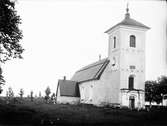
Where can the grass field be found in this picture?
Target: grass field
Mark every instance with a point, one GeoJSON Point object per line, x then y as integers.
{"type": "Point", "coordinates": [55, 114]}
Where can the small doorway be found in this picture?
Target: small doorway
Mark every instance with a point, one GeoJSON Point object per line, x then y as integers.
{"type": "Point", "coordinates": [131, 102]}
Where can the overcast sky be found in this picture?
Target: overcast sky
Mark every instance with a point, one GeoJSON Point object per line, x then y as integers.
{"type": "Point", "coordinates": [60, 37]}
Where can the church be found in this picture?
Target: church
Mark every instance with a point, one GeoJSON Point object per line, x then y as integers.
{"type": "Point", "coordinates": [119, 79]}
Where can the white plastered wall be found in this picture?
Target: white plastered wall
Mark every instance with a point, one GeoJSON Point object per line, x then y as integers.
{"type": "Point", "coordinates": [103, 91]}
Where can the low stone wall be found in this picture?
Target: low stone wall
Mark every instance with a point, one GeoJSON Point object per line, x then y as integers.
{"type": "Point", "coordinates": [68, 100]}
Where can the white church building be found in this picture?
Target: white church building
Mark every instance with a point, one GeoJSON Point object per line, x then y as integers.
{"type": "Point", "coordinates": [118, 79]}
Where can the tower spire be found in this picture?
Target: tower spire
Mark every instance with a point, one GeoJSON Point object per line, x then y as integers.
{"type": "Point", "coordinates": [127, 15]}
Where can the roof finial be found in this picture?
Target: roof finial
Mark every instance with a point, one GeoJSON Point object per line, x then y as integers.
{"type": "Point", "coordinates": [127, 15]}
{"type": "Point", "coordinates": [127, 9]}
{"type": "Point", "coordinates": [99, 57]}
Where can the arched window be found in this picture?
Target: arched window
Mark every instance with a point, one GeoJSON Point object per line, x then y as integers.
{"type": "Point", "coordinates": [114, 42]}
{"type": "Point", "coordinates": [131, 82]}
{"type": "Point", "coordinates": [132, 41]}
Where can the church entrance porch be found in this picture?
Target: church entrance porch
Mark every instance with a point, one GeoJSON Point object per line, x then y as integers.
{"type": "Point", "coordinates": [133, 99]}
{"type": "Point", "coordinates": [132, 102]}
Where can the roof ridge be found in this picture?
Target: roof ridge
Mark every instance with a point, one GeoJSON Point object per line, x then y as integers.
{"type": "Point", "coordinates": [92, 65]}
{"type": "Point", "coordinates": [99, 71]}
{"type": "Point", "coordinates": [66, 80]}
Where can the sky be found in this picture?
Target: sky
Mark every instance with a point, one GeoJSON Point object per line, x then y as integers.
{"type": "Point", "coordinates": [62, 36]}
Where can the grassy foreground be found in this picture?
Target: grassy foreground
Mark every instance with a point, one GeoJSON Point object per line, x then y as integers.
{"type": "Point", "coordinates": [55, 115]}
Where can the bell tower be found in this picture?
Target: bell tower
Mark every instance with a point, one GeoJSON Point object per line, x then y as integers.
{"type": "Point", "coordinates": [126, 52]}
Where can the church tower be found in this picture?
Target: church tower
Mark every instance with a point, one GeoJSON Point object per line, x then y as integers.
{"type": "Point", "coordinates": [126, 53]}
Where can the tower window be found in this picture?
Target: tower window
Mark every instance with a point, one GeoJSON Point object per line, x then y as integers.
{"type": "Point", "coordinates": [132, 41]}
{"type": "Point", "coordinates": [132, 67]}
{"type": "Point", "coordinates": [114, 42]}
{"type": "Point", "coordinates": [131, 82]}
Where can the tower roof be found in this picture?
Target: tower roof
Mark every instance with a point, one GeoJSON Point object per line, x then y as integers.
{"type": "Point", "coordinates": [129, 22]}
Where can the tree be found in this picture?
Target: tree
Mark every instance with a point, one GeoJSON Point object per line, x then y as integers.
{"type": "Point", "coordinates": [21, 93]}
{"type": "Point", "coordinates": [40, 94]}
{"type": "Point", "coordinates": [163, 84]}
{"type": "Point", "coordinates": [154, 90]}
{"type": "Point", "coordinates": [158, 93]}
{"type": "Point", "coordinates": [162, 80]}
{"type": "Point", "coordinates": [47, 93]}
{"type": "Point", "coordinates": [150, 91]}
{"type": "Point", "coordinates": [10, 93]}
{"type": "Point", "coordinates": [7, 94]}
{"type": "Point", "coordinates": [10, 34]}
{"type": "Point", "coordinates": [2, 81]}
{"type": "Point", "coordinates": [53, 98]}
{"type": "Point", "coordinates": [31, 95]}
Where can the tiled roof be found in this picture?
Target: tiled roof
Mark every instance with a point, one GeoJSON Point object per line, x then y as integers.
{"type": "Point", "coordinates": [68, 88]}
{"type": "Point", "coordinates": [129, 22]}
{"type": "Point", "coordinates": [90, 72]}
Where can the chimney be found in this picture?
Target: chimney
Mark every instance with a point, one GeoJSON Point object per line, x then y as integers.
{"type": "Point", "coordinates": [99, 57]}
{"type": "Point", "coordinates": [64, 78]}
